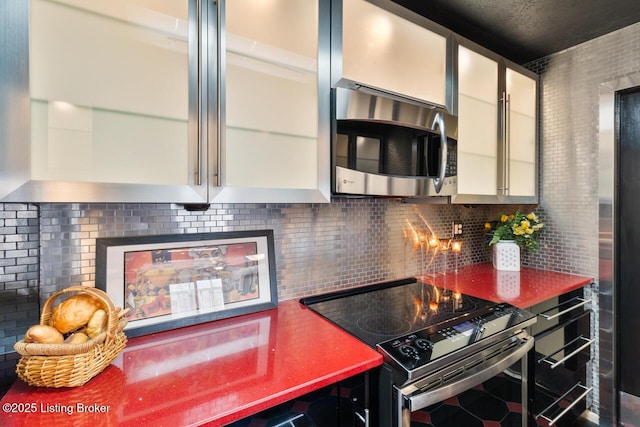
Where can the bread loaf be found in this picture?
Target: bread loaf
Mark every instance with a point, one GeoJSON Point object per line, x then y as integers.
{"type": "Point", "coordinates": [74, 312]}
{"type": "Point", "coordinates": [43, 334]}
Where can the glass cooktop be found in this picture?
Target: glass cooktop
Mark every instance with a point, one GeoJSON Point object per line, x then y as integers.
{"type": "Point", "coordinates": [378, 313]}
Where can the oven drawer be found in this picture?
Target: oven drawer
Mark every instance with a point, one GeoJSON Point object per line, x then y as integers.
{"type": "Point", "coordinates": [459, 376]}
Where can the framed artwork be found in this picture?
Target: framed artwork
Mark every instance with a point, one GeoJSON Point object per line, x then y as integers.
{"type": "Point", "coordinates": [172, 281]}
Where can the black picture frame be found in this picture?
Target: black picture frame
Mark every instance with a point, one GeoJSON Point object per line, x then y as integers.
{"type": "Point", "coordinates": [177, 280]}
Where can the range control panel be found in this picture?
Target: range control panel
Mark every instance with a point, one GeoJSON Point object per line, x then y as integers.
{"type": "Point", "coordinates": [426, 345]}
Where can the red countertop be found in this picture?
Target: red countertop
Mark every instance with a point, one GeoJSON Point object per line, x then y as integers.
{"type": "Point", "coordinates": [208, 374]}
{"type": "Point", "coordinates": [524, 288]}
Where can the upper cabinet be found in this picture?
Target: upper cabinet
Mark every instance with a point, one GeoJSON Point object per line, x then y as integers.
{"type": "Point", "coordinates": [497, 129]}
{"type": "Point", "coordinates": [274, 101]}
{"type": "Point", "coordinates": [478, 106]}
{"type": "Point", "coordinates": [112, 104]}
{"type": "Point", "coordinates": [389, 50]}
{"type": "Point", "coordinates": [521, 119]}
{"type": "Point", "coordinates": [181, 101]}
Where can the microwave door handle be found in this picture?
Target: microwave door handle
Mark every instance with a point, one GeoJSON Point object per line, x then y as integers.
{"type": "Point", "coordinates": [439, 180]}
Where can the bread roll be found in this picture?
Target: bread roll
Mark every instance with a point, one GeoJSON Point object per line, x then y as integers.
{"type": "Point", "coordinates": [74, 312]}
{"type": "Point", "coordinates": [77, 338]}
{"type": "Point", "coordinates": [43, 334]}
{"type": "Point", "coordinates": [97, 323]}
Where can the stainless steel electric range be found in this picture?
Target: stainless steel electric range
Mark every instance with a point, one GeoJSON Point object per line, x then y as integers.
{"type": "Point", "coordinates": [435, 343]}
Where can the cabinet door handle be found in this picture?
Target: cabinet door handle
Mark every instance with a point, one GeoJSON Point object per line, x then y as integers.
{"type": "Point", "coordinates": [551, 317]}
{"type": "Point", "coordinates": [196, 70]}
{"type": "Point", "coordinates": [568, 408]}
{"type": "Point", "coordinates": [363, 418]}
{"type": "Point", "coordinates": [568, 356]}
{"type": "Point", "coordinates": [218, 74]}
{"type": "Point", "coordinates": [502, 184]}
{"type": "Point", "coordinates": [507, 133]}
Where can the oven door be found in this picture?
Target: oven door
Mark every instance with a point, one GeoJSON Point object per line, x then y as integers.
{"type": "Point", "coordinates": [463, 375]}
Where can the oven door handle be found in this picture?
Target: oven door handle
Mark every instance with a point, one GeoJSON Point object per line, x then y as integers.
{"type": "Point", "coordinates": [474, 376]}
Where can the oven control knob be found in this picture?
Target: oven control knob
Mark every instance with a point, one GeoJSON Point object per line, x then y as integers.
{"type": "Point", "coordinates": [409, 351]}
{"type": "Point", "coordinates": [423, 344]}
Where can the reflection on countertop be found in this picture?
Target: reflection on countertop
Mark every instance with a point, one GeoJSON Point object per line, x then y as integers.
{"type": "Point", "coordinates": [209, 374]}
{"type": "Point", "coordinates": [523, 289]}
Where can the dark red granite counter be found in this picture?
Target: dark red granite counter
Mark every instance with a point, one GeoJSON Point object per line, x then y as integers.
{"type": "Point", "coordinates": [524, 288]}
{"type": "Point", "coordinates": [209, 374]}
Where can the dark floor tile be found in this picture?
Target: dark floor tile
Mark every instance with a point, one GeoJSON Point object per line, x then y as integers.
{"type": "Point", "coordinates": [432, 407]}
{"type": "Point", "coordinates": [483, 405]}
{"type": "Point", "coordinates": [512, 420]}
{"type": "Point", "coordinates": [453, 416]}
{"type": "Point", "coordinates": [421, 419]}
{"type": "Point", "coordinates": [504, 388]}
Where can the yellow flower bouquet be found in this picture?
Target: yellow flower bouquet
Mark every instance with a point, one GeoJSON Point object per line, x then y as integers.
{"type": "Point", "coordinates": [521, 228]}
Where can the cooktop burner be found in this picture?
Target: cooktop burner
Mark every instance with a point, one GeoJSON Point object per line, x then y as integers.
{"type": "Point", "coordinates": [386, 325]}
{"type": "Point", "coordinates": [378, 313]}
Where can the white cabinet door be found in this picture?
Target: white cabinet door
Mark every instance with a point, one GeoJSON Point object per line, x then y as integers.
{"type": "Point", "coordinates": [477, 123]}
{"type": "Point", "coordinates": [497, 139]}
{"type": "Point", "coordinates": [387, 52]}
{"type": "Point", "coordinates": [521, 125]}
{"type": "Point", "coordinates": [272, 148]}
{"type": "Point", "coordinates": [112, 93]}
{"type": "Point", "coordinates": [154, 101]}
{"type": "Point", "coordinates": [112, 99]}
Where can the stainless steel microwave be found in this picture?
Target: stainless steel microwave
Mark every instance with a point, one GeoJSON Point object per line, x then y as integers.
{"type": "Point", "coordinates": [386, 146]}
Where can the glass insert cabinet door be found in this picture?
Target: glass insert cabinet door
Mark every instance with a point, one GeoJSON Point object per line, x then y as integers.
{"type": "Point", "coordinates": [269, 136]}
{"type": "Point", "coordinates": [385, 51]}
{"type": "Point", "coordinates": [477, 123]}
{"type": "Point", "coordinates": [184, 101]}
{"type": "Point", "coordinates": [113, 89]}
{"type": "Point", "coordinates": [521, 128]}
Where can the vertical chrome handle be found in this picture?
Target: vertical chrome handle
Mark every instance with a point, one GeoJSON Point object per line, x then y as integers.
{"type": "Point", "coordinates": [197, 120]}
{"type": "Point", "coordinates": [502, 183]}
{"type": "Point", "coordinates": [201, 115]}
{"type": "Point", "coordinates": [219, 76]}
{"type": "Point", "coordinates": [439, 181]}
{"type": "Point", "coordinates": [507, 140]}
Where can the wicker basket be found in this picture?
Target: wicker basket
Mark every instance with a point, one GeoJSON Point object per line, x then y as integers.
{"type": "Point", "coordinates": [71, 365]}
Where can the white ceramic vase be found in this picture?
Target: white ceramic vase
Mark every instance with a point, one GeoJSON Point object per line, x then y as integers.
{"type": "Point", "coordinates": [506, 256]}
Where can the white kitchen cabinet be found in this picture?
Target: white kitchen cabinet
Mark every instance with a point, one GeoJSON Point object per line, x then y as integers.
{"type": "Point", "coordinates": [477, 123]}
{"type": "Point", "coordinates": [274, 112]}
{"type": "Point", "coordinates": [163, 101]}
{"type": "Point", "coordinates": [521, 142]}
{"type": "Point", "coordinates": [112, 103]}
{"type": "Point", "coordinates": [497, 133]}
{"type": "Point", "coordinates": [392, 51]}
